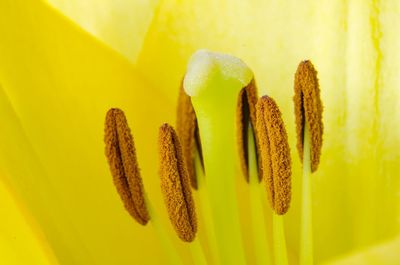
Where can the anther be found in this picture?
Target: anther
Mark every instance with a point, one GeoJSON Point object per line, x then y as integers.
{"type": "Point", "coordinates": [275, 154]}
{"type": "Point", "coordinates": [308, 110]}
{"type": "Point", "coordinates": [175, 185]}
{"type": "Point", "coordinates": [187, 130]}
{"type": "Point", "coordinates": [246, 113]}
{"type": "Point", "coordinates": [121, 156]}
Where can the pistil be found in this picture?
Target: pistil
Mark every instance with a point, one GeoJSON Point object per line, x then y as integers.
{"type": "Point", "coordinates": [206, 208]}
{"type": "Point", "coordinates": [214, 81]}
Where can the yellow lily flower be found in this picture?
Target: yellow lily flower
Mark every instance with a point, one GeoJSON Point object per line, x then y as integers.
{"type": "Point", "coordinates": [64, 64]}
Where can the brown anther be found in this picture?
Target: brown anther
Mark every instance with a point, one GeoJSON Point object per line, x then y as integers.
{"type": "Point", "coordinates": [121, 156]}
{"type": "Point", "coordinates": [175, 185]}
{"type": "Point", "coordinates": [275, 154]}
{"type": "Point", "coordinates": [187, 130]}
{"type": "Point", "coordinates": [308, 108]}
{"type": "Point", "coordinates": [246, 113]}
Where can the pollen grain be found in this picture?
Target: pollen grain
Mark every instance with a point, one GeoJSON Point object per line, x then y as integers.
{"type": "Point", "coordinates": [187, 130]}
{"type": "Point", "coordinates": [246, 113]}
{"type": "Point", "coordinates": [275, 154]}
{"type": "Point", "coordinates": [175, 185]}
{"type": "Point", "coordinates": [121, 155]}
{"type": "Point", "coordinates": [308, 108]}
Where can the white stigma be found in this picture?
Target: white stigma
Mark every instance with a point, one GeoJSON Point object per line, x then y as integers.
{"type": "Point", "coordinates": [207, 69]}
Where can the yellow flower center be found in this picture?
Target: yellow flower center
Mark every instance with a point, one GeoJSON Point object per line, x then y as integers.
{"type": "Point", "coordinates": [221, 124]}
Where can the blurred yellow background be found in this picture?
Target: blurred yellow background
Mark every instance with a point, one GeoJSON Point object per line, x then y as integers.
{"type": "Point", "coordinates": [64, 64]}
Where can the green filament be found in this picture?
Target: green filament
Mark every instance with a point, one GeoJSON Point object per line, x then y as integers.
{"type": "Point", "coordinates": [280, 252]}
{"type": "Point", "coordinates": [261, 249]}
{"type": "Point", "coordinates": [197, 253]}
{"type": "Point", "coordinates": [170, 250]}
{"type": "Point", "coordinates": [306, 234]}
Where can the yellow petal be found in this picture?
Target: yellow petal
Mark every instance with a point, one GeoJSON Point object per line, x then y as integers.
{"type": "Point", "coordinates": [382, 254]}
{"type": "Point", "coordinates": [353, 46]}
{"type": "Point", "coordinates": [57, 84]}
{"type": "Point", "coordinates": [121, 24]}
{"type": "Point", "coordinates": [21, 242]}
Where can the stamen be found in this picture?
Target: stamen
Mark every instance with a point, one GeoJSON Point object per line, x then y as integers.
{"type": "Point", "coordinates": [246, 113]}
{"type": "Point", "coordinates": [175, 185]}
{"type": "Point", "coordinates": [121, 156]}
{"type": "Point", "coordinates": [308, 108]}
{"type": "Point", "coordinates": [308, 112]}
{"type": "Point", "coordinates": [187, 130]}
{"type": "Point", "coordinates": [275, 154]}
